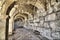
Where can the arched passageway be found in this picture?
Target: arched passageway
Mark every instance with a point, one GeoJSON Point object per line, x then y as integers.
{"type": "Point", "coordinates": [22, 33]}
{"type": "Point", "coordinates": [32, 20]}
{"type": "Point", "coordinates": [18, 23]}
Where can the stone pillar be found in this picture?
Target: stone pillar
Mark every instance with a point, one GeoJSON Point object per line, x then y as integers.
{"type": "Point", "coordinates": [2, 27]}
{"type": "Point", "coordinates": [11, 19]}
{"type": "Point", "coordinates": [10, 25]}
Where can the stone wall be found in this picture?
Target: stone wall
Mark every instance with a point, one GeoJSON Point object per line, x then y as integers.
{"type": "Point", "coordinates": [2, 20]}
{"type": "Point", "coordinates": [47, 23]}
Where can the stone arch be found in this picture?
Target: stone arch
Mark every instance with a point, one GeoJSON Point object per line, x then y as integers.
{"type": "Point", "coordinates": [9, 5]}
{"type": "Point", "coordinates": [20, 18]}
{"type": "Point", "coordinates": [8, 9]}
{"type": "Point", "coordinates": [18, 22]}
{"type": "Point", "coordinates": [18, 14]}
{"type": "Point", "coordinates": [25, 15]}
{"type": "Point", "coordinates": [33, 3]}
{"type": "Point", "coordinates": [38, 3]}
{"type": "Point", "coordinates": [32, 8]}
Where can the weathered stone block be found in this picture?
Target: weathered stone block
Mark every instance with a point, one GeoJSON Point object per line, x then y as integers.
{"type": "Point", "coordinates": [56, 35]}
{"type": "Point", "coordinates": [45, 32]}
{"type": "Point", "coordinates": [41, 21]}
{"type": "Point", "coordinates": [50, 17]}
{"type": "Point", "coordinates": [36, 20]}
{"type": "Point", "coordinates": [2, 30]}
{"type": "Point", "coordinates": [57, 6]}
{"type": "Point", "coordinates": [55, 25]}
{"type": "Point", "coordinates": [46, 25]}
{"type": "Point", "coordinates": [50, 10]}
{"type": "Point", "coordinates": [58, 23]}
{"type": "Point", "coordinates": [43, 14]}
{"type": "Point", "coordinates": [41, 18]}
{"type": "Point", "coordinates": [35, 24]}
{"type": "Point", "coordinates": [58, 15]}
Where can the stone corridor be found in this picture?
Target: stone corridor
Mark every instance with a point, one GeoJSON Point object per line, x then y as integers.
{"type": "Point", "coordinates": [29, 19]}
{"type": "Point", "coordinates": [24, 34]}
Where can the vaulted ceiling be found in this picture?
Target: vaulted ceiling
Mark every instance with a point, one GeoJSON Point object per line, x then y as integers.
{"type": "Point", "coordinates": [25, 7]}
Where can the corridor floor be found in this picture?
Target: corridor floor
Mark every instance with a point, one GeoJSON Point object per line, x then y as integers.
{"type": "Point", "coordinates": [24, 34]}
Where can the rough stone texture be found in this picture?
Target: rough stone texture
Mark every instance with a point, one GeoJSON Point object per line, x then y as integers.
{"type": "Point", "coordinates": [58, 15]}
{"type": "Point", "coordinates": [46, 25]}
{"type": "Point", "coordinates": [47, 22]}
{"type": "Point", "coordinates": [41, 24]}
{"type": "Point", "coordinates": [55, 25]}
{"type": "Point", "coordinates": [56, 35]}
{"type": "Point", "coordinates": [2, 20]}
{"type": "Point", "coordinates": [23, 34]}
{"type": "Point", "coordinates": [50, 17]}
{"type": "Point", "coordinates": [2, 28]}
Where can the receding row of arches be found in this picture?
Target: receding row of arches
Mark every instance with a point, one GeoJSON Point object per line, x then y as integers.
{"type": "Point", "coordinates": [19, 14]}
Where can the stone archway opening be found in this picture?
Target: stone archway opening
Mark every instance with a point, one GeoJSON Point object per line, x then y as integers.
{"type": "Point", "coordinates": [18, 23]}
{"type": "Point", "coordinates": [43, 16]}
{"type": "Point", "coordinates": [13, 24]}
{"type": "Point", "coordinates": [7, 20]}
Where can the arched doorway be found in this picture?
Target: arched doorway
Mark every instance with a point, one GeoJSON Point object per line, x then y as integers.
{"type": "Point", "coordinates": [18, 23]}
{"type": "Point", "coordinates": [7, 19]}
{"type": "Point", "coordinates": [11, 23]}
